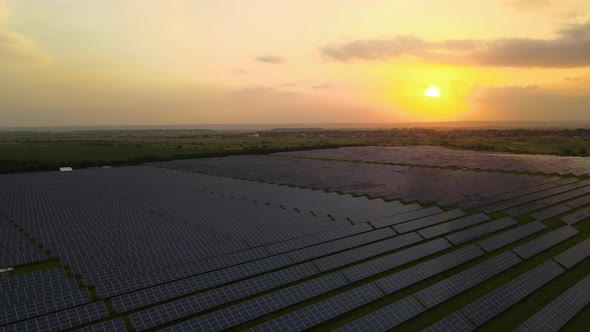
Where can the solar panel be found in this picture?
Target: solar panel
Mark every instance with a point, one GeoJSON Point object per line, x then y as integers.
{"type": "Point", "coordinates": [562, 197]}
{"type": "Point", "coordinates": [478, 231]}
{"type": "Point", "coordinates": [367, 251]}
{"type": "Point", "coordinates": [168, 246]}
{"type": "Point", "coordinates": [281, 247]}
{"type": "Point", "coordinates": [61, 320]}
{"type": "Point", "coordinates": [510, 236]}
{"type": "Point", "coordinates": [526, 208]}
{"type": "Point", "coordinates": [428, 221]}
{"type": "Point", "coordinates": [322, 311]}
{"type": "Point", "coordinates": [551, 212]}
{"type": "Point", "coordinates": [394, 260]}
{"type": "Point", "coordinates": [422, 271]}
{"type": "Point", "coordinates": [194, 304]}
{"type": "Point", "coordinates": [341, 244]}
{"type": "Point", "coordinates": [546, 241]}
{"type": "Point", "coordinates": [45, 305]}
{"type": "Point", "coordinates": [398, 219]}
{"type": "Point", "coordinates": [455, 322]}
{"type": "Point", "coordinates": [37, 290]}
{"type": "Point", "coordinates": [577, 216]}
{"type": "Point", "coordinates": [574, 255]}
{"type": "Point", "coordinates": [578, 202]}
{"type": "Point", "coordinates": [22, 258]}
{"type": "Point", "coordinates": [462, 281]}
{"type": "Point", "coordinates": [251, 309]}
{"type": "Point", "coordinates": [454, 225]}
{"type": "Point", "coordinates": [23, 280]}
{"type": "Point", "coordinates": [114, 325]}
{"type": "Point", "coordinates": [557, 313]}
{"type": "Point", "coordinates": [198, 282]}
{"type": "Point", "coordinates": [387, 317]}
{"type": "Point", "coordinates": [500, 299]}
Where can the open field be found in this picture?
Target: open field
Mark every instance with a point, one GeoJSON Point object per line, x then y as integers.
{"type": "Point", "coordinates": [24, 152]}
{"type": "Point", "coordinates": [337, 239]}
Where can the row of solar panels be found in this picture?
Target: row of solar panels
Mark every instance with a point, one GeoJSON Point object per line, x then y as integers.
{"type": "Point", "coordinates": [442, 157]}
{"type": "Point", "coordinates": [467, 189]}
{"type": "Point", "coordinates": [339, 304]}
{"type": "Point", "coordinates": [165, 292]}
{"type": "Point", "coordinates": [15, 248]}
{"type": "Point", "coordinates": [552, 191]}
{"type": "Point", "coordinates": [364, 246]}
{"type": "Point", "coordinates": [346, 301]}
{"type": "Point", "coordinates": [36, 294]}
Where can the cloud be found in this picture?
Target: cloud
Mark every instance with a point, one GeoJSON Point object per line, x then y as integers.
{"type": "Point", "coordinates": [272, 59]}
{"type": "Point", "coordinates": [526, 5]}
{"type": "Point", "coordinates": [19, 49]}
{"type": "Point", "coordinates": [571, 48]}
{"type": "Point", "coordinates": [258, 91]}
{"type": "Point", "coordinates": [322, 86]}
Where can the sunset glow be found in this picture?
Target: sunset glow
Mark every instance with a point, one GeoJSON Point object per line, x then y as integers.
{"type": "Point", "coordinates": [176, 62]}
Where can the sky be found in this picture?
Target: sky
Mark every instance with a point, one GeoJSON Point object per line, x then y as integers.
{"type": "Point", "coordinates": [148, 62]}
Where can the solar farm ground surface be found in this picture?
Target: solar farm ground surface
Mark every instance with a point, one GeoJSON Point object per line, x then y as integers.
{"type": "Point", "coordinates": [352, 239]}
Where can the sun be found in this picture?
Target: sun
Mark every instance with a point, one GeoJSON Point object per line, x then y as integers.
{"type": "Point", "coordinates": [432, 91]}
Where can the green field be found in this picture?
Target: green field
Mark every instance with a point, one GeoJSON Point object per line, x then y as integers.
{"type": "Point", "coordinates": [39, 153]}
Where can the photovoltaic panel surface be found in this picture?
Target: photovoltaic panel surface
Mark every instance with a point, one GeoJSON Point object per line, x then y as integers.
{"type": "Point", "coordinates": [456, 322]}
{"type": "Point", "coordinates": [387, 317]}
{"type": "Point", "coordinates": [574, 255]}
{"type": "Point", "coordinates": [477, 231]}
{"type": "Point", "coordinates": [510, 236]}
{"type": "Point", "coordinates": [394, 260]}
{"type": "Point", "coordinates": [204, 251]}
{"type": "Point", "coordinates": [500, 299]}
{"type": "Point", "coordinates": [320, 312]}
{"type": "Point", "coordinates": [460, 282]}
{"type": "Point", "coordinates": [427, 269]}
{"type": "Point", "coordinates": [557, 313]}
{"type": "Point", "coordinates": [548, 240]}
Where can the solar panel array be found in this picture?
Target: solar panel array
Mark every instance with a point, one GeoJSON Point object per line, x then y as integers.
{"type": "Point", "coordinates": [557, 313]}
{"type": "Point", "coordinates": [513, 235]}
{"type": "Point", "coordinates": [574, 255]}
{"type": "Point", "coordinates": [439, 156]}
{"type": "Point", "coordinates": [167, 249]}
{"type": "Point", "coordinates": [426, 185]}
{"type": "Point", "coordinates": [478, 231]}
{"type": "Point", "coordinates": [15, 248]}
{"type": "Point", "coordinates": [493, 303]}
{"type": "Point", "coordinates": [320, 312]}
{"type": "Point", "coordinates": [548, 240]}
{"type": "Point", "coordinates": [387, 317]}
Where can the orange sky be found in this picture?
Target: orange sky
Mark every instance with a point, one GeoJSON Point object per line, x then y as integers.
{"type": "Point", "coordinates": [124, 62]}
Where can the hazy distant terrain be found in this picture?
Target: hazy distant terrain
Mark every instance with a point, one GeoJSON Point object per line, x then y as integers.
{"type": "Point", "coordinates": [269, 126]}
{"type": "Point", "coordinates": [38, 150]}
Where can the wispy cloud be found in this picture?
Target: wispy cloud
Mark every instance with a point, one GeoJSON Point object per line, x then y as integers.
{"type": "Point", "coordinates": [17, 48]}
{"type": "Point", "coordinates": [571, 48]}
{"type": "Point", "coordinates": [322, 86]}
{"type": "Point", "coordinates": [526, 5]}
{"type": "Point", "coordinates": [272, 59]}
